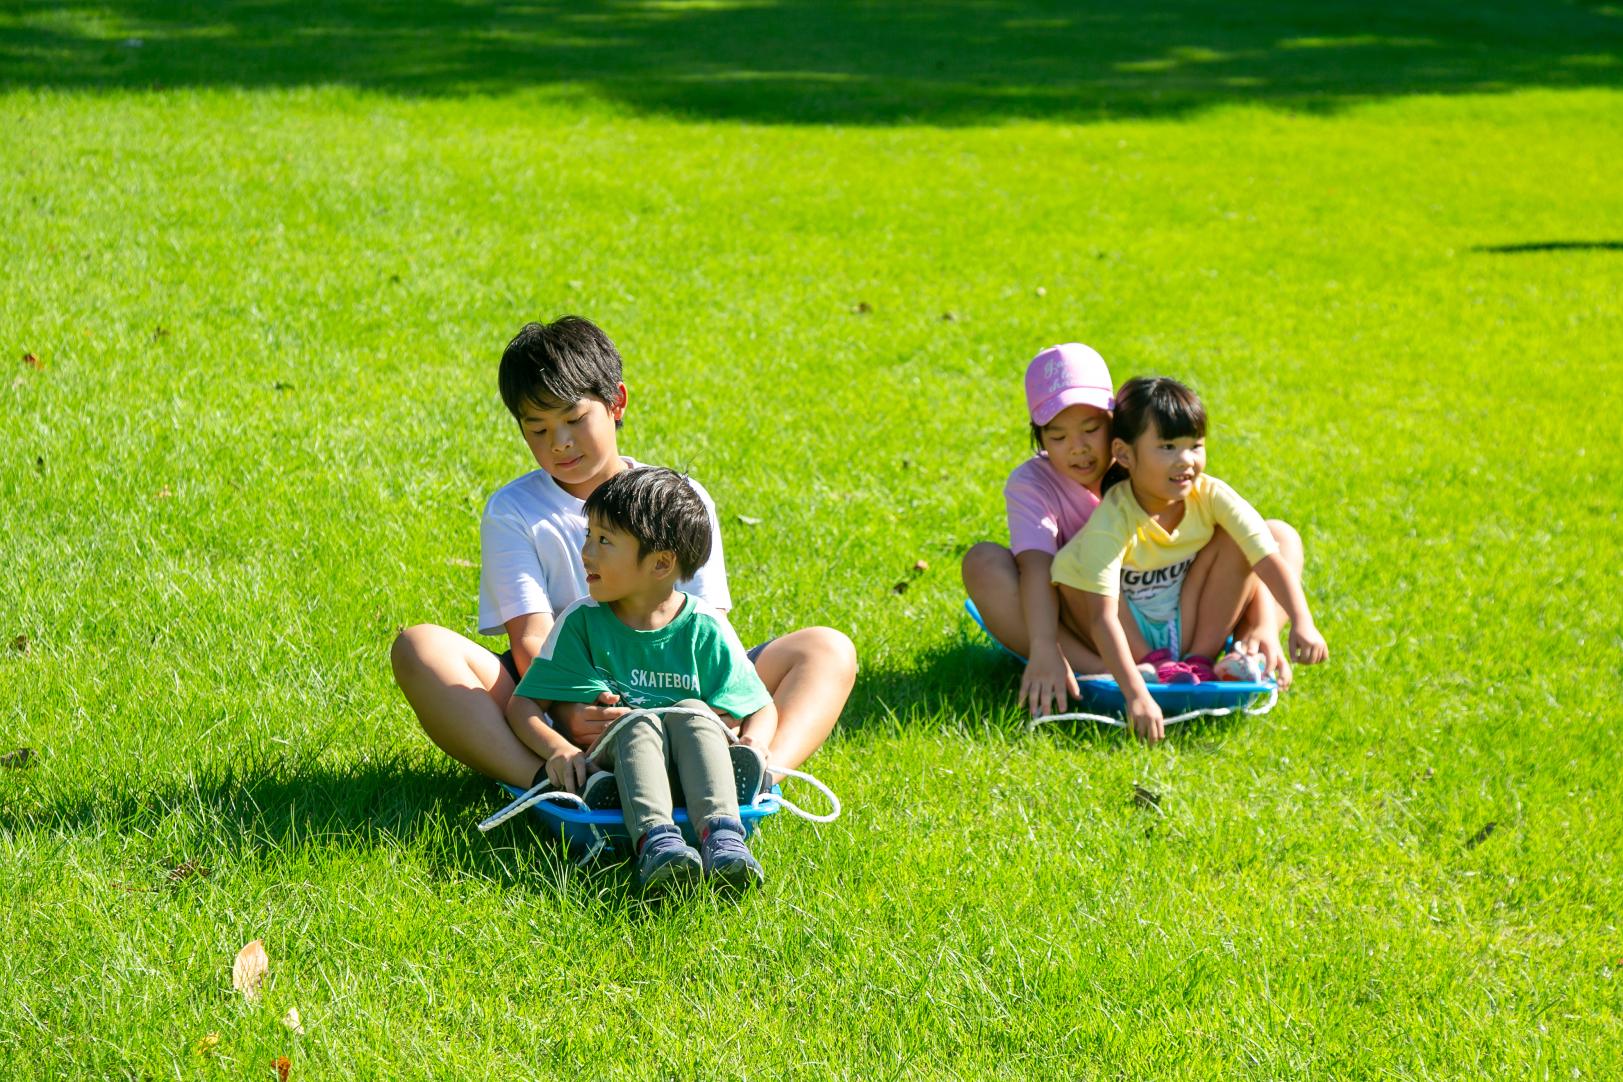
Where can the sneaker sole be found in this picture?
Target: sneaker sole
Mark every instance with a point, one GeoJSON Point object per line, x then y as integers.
{"type": "Point", "coordinates": [749, 773]}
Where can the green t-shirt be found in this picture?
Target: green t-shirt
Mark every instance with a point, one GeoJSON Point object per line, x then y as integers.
{"type": "Point", "coordinates": [695, 656]}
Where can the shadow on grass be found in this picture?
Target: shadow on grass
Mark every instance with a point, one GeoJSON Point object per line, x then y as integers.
{"type": "Point", "coordinates": [830, 61]}
{"type": "Point", "coordinates": [960, 680]}
{"type": "Point", "coordinates": [284, 807]}
{"type": "Point", "coordinates": [1552, 246]}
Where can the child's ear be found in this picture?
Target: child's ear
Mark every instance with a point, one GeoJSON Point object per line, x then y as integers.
{"type": "Point", "coordinates": [1123, 452]}
{"type": "Point", "coordinates": [665, 564]}
{"type": "Point", "coordinates": [617, 408]}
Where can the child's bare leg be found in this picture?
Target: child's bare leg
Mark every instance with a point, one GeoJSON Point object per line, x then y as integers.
{"type": "Point", "coordinates": [993, 582]}
{"type": "Point", "coordinates": [1136, 642]}
{"type": "Point", "coordinates": [1218, 588]}
{"type": "Point", "coordinates": [1264, 616]}
{"type": "Point", "coordinates": [459, 691]}
{"type": "Point", "coordinates": [809, 674]}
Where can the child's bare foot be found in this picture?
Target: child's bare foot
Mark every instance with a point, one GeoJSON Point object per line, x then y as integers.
{"type": "Point", "coordinates": [1240, 665]}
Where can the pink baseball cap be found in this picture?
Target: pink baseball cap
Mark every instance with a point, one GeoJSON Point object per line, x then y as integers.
{"type": "Point", "coordinates": [1067, 375]}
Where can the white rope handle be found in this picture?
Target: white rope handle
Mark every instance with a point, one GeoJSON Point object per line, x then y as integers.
{"type": "Point", "coordinates": [788, 805]}
{"type": "Point", "coordinates": [1121, 723]}
{"type": "Point", "coordinates": [529, 799]}
{"type": "Point", "coordinates": [544, 791]}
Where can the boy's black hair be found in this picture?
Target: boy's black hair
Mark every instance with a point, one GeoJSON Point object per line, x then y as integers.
{"type": "Point", "coordinates": [660, 509]}
{"type": "Point", "coordinates": [1172, 408]}
{"type": "Point", "coordinates": [558, 364]}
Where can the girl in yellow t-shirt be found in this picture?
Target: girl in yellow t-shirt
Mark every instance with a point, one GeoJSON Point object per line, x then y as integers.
{"type": "Point", "coordinates": [1147, 553]}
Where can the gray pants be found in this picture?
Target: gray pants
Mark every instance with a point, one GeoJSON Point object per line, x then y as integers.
{"type": "Point", "coordinates": [645, 754]}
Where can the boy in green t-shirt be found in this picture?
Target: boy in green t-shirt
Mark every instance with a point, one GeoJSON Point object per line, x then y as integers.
{"type": "Point", "coordinates": [636, 636]}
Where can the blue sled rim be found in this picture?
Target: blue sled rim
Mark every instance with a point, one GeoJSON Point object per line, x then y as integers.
{"type": "Point", "coordinates": [1101, 693]}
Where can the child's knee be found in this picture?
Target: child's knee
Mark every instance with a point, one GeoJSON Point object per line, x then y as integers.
{"type": "Point", "coordinates": [1285, 535]}
{"type": "Point", "coordinates": [406, 653]}
{"type": "Point", "coordinates": [693, 714]}
{"type": "Point", "coordinates": [984, 560]}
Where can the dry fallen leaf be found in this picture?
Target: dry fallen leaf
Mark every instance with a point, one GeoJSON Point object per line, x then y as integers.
{"type": "Point", "coordinates": [292, 1021]}
{"type": "Point", "coordinates": [949, 317]}
{"type": "Point", "coordinates": [17, 758]}
{"type": "Point", "coordinates": [457, 561]}
{"type": "Point", "coordinates": [899, 588]}
{"type": "Point", "coordinates": [1041, 292]}
{"type": "Point", "coordinates": [1146, 798]}
{"type": "Point", "coordinates": [205, 1044]}
{"type": "Point", "coordinates": [248, 971]}
{"type": "Point", "coordinates": [921, 565]}
{"type": "Point", "coordinates": [20, 644]}
{"type": "Point", "coordinates": [32, 361]}
{"type": "Point", "coordinates": [282, 1068]}
{"type": "Point", "coordinates": [1482, 835]}
{"type": "Point", "coordinates": [862, 308]}
{"type": "Point", "coordinates": [748, 521]}
{"type": "Point", "coordinates": [186, 869]}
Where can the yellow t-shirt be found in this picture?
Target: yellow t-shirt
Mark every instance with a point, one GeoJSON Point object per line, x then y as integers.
{"type": "Point", "coordinates": [1121, 535]}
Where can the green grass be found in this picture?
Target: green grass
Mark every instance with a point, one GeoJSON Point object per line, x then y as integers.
{"type": "Point", "coordinates": [268, 295]}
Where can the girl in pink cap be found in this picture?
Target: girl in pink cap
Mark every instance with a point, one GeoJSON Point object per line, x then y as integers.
{"type": "Point", "coordinates": [1049, 498]}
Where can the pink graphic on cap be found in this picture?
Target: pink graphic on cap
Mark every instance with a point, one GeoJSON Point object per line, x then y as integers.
{"type": "Point", "coordinates": [1067, 375]}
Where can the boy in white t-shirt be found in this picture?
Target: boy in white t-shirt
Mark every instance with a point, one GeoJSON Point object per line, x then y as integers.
{"type": "Point", "coordinates": [562, 383]}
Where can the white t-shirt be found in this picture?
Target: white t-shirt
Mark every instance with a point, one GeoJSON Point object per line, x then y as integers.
{"type": "Point", "coordinates": [529, 553]}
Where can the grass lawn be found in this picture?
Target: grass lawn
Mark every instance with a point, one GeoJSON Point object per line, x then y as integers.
{"type": "Point", "coordinates": [264, 262]}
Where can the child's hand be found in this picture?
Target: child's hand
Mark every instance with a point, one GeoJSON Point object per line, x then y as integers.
{"type": "Point", "coordinates": [1145, 715]}
{"type": "Point", "coordinates": [568, 769]}
{"type": "Point", "coordinates": [1048, 684]}
{"type": "Point", "coordinates": [1307, 645]}
{"type": "Point", "coordinates": [585, 722]}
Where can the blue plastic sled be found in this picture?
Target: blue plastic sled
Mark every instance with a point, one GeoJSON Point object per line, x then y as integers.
{"type": "Point", "coordinates": [1100, 695]}
{"type": "Point", "coordinates": [588, 834]}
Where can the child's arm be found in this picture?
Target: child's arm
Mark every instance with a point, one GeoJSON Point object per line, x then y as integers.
{"type": "Point", "coordinates": [1307, 646]}
{"type": "Point", "coordinates": [1048, 678]}
{"type": "Point", "coordinates": [525, 635]}
{"type": "Point", "coordinates": [566, 764]}
{"type": "Point", "coordinates": [758, 729]}
{"type": "Point", "coordinates": [1097, 612]}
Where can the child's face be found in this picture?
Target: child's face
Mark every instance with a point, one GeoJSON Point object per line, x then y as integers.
{"type": "Point", "coordinates": [1078, 443]}
{"type": "Point", "coordinates": [576, 444]}
{"type": "Point", "coordinates": [1163, 468]}
{"type": "Point", "coordinates": [613, 569]}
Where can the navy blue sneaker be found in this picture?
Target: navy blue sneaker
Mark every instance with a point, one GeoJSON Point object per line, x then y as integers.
{"type": "Point", "coordinates": [666, 862]}
{"type": "Point", "coordinates": [727, 860]}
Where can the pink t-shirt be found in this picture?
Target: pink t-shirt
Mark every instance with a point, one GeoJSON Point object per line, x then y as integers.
{"type": "Point", "coordinates": [1046, 508]}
